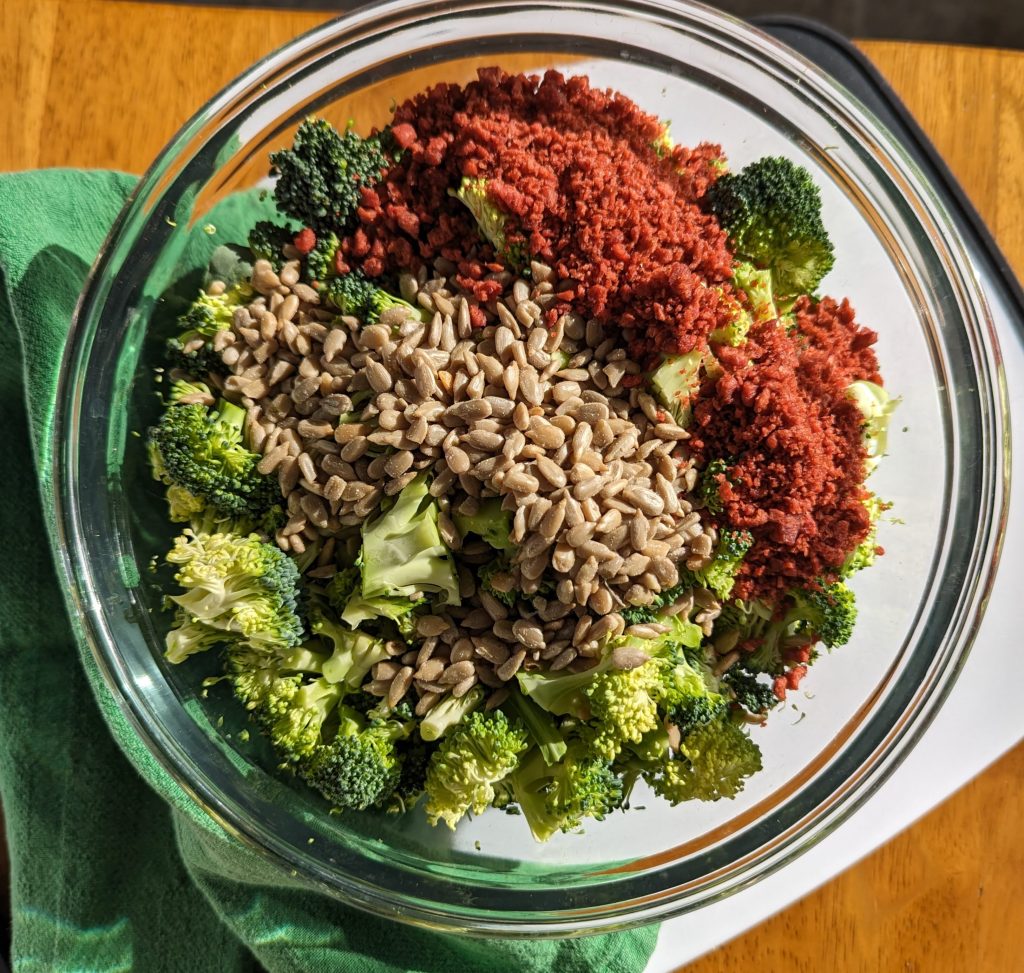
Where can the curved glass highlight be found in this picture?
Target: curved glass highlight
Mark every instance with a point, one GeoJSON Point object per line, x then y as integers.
{"type": "Point", "coordinates": [898, 259]}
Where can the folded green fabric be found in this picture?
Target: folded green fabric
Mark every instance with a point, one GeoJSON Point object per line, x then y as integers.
{"type": "Point", "coordinates": [113, 866]}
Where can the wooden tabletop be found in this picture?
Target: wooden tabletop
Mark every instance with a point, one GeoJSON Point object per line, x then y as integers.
{"type": "Point", "coordinates": [106, 83]}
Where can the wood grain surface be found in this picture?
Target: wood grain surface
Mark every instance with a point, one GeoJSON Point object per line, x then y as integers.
{"type": "Point", "coordinates": [106, 83]}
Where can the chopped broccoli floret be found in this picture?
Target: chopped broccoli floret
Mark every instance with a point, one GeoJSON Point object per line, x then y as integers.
{"type": "Point", "coordinates": [412, 778]}
{"type": "Point", "coordinates": [771, 211]}
{"type": "Point", "coordinates": [189, 637]}
{"type": "Point", "coordinates": [266, 680]}
{"type": "Point", "coordinates": [236, 585]}
{"type": "Point", "coordinates": [478, 753]}
{"type": "Point", "coordinates": [449, 713]}
{"type": "Point", "coordinates": [753, 695]}
{"type": "Point", "coordinates": [320, 261]}
{"type": "Point", "coordinates": [829, 612]}
{"type": "Point", "coordinates": [710, 484]}
{"type": "Point", "coordinates": [298, 731]}
{"type": "Point", "coordinates": [320, 178]}
{"type": "Point", "coordinates": [354, 293]}
{"type": "Point", "coordinates": [267, 240]}
{"type": "Point", "coordinates": [402, 565]}
{"type": "Point", "coordinates": [546, 736]}
{"type": "Point", "coordinates": [877, 407]}
{"type": "Point", "coordinates": [344, 592]}
{"type": "Point", "coordinates": [183, 506]}
{"type": "Point", "coordinates": [490, 220]}
{"type": "Point", "coordinates": [498, 571]}
{"type": "Point", "coordinates": [192, 349]}
{"type": "Point", "coordinates": [719, 575]}
{"type": "Point", "coordinates": [490, 523]}
{"type": "Point", "coordinates": [692, 711]}
{"type": "Point", "coordinates": [360, 767]}
{"type": "Point", "coordinates": [403, 553]}
{"type": "Point", "coordinates": [714, 761]}
{"type": "Point", "coordinates": [826, 614]}
{"type": "Point", "coordinates": [664, 143]}
{"type": "Point", "coordinates": [194, 355]}
{"type": "Point", "coordinates": [351, 293]}
{"type": "Point", "coordinates": [675, 381]}
{"type": "Point", "coordinates": [864, 554]}
{"type": "Point", "coordinates": [739, 322]}
{"type": "Point", "coordinates": [210, 313]}
{"type": "Point", "coordinates": [560, 797]}
{"type": "Point", "coordinates": [354, 652]}
{"type": "Point", "coordinates": [202, 450]}
{"type": "Point", "coordinates": [381, 300]}
{"type": "Point", "coordinates": [357, 771]}
{"type": "Point", "coordinates": [624, 706]}
{"type": "Point", "coordinates": [756, 285]}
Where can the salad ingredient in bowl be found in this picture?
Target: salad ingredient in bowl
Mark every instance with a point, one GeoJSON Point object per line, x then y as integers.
{"type": "Point", "coordinates": [520, 460]}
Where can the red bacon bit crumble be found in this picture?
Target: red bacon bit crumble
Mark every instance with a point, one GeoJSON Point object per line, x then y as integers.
{"type": "Point", "coordinates": [780, 417]}
{"type": "Point", "coordinates": [305, 241]}
{"type": "Point", "coordinates": [585, 191]}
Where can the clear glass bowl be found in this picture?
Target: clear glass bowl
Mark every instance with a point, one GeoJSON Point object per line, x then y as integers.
{"type": "Point", "coordinates": [899, 260]}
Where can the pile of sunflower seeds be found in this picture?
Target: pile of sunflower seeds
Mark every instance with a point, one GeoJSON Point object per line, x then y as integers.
{"type": "Point", "coordinates": [553, 421]}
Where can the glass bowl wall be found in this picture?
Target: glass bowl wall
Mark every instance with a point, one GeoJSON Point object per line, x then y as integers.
{"type": "Point", "coordinates": [898, 259]}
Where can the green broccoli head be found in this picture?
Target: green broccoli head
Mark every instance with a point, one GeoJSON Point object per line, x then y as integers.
{"type": "Point", "coordinates": [490, 220]}
{"type": "Point", "coordinates": [345, 595]}
{"type": "Point", "coordinates": [866, 552]}
{"type": "Point", "coordinates": [826, 613]}
{"type": "Point", "coordinates": [267, 681]}
{"type": "Point", "coordinates": [189, 637]}
{"type": "Point", "coordinates": [203, 451]}
{"type": "Point", "coordinates": [183, 506]}
{"type": "Point", "coordinates": [692, 711]}
{"type": "Point", "coordinates": [877, 407]}
{"type": "Point", "coordinates": [192, 350]}
{"type": "Point", "coordinates": [236, 585]}
{"type": "Point", "coordinates": [475, 756]}
{"type": "Point", "coordinates": [298, 731]}
{"type": "Point", "coordinates": [756, 285]}
{"type": "Point", "coordinates": [738, 322]}
{"type": "Point", "coordinates": [320, 178]}
{"type": "Point", "coordinates": [677, 380]}
{"type": "Point", "coordinates": [771, 211]}
{"type": "Point", "coordinates": [194, 356]}
{"type": "Point", "coordinates": [624, 706]}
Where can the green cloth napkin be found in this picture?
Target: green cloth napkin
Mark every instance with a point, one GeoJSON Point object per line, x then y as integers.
{"type": "Point", "coordinates": [114, 868]}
